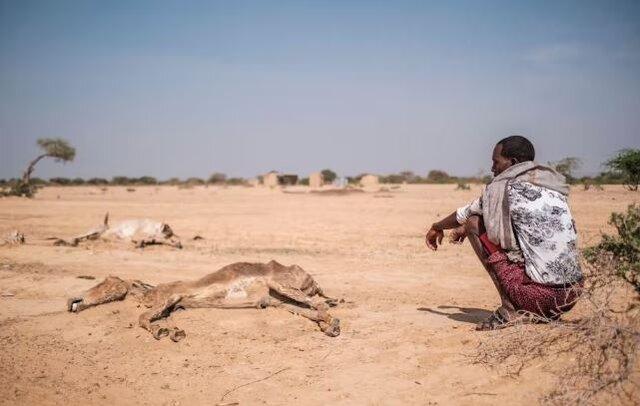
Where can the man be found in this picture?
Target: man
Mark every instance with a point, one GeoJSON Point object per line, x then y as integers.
{"type": "Point", "coordinates": [522, 231]}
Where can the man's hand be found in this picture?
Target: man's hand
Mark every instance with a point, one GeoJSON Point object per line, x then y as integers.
{"type": "Point", "coordinates": [436, 234]}
{"type": "Point", "coordinates": [458, 235]}
{"type": "Point", "coordinates": [434, 238]}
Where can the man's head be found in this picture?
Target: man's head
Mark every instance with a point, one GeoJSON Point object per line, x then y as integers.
{"type": "Point", "coordinates": [510, 151]}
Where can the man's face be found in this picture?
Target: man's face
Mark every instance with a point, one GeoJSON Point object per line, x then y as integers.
{"type": "Point", "coordinates": [500, 163]}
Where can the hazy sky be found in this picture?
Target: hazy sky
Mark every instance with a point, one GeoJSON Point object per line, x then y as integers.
{"type": "Point", "coordinates": [186, 88]}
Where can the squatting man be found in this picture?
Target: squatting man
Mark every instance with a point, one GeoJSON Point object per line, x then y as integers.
{"type": "Point", "coordinates": [522, 231]}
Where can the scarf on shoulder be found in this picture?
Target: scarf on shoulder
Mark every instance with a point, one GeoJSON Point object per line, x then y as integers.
{"type": "Point", "coordinates": [495, 201]}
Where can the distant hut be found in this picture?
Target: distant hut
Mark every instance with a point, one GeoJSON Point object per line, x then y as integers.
{"type": "Point", "coordinates": [369, 180]}
{"type": "Point", "coordinates": [270, 179]}
{"type": "Point", "coordinates": [316, 180]}
{"type": "Point", "coordinates": [287, 179]}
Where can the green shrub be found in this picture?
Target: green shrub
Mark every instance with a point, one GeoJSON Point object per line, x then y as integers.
{"type": "Point", "coordinates": [393, 178]}
{"type": "Point", "coordinates": [610, 177]}
{"type": "Point", "coordinates": [236, 181]}
{"type": "Point", "coordinates": [60, 181]}
{"type": "Point", "coordinates": [622, 251]}
{"type": "Point", "coordinates": [627, 164]}
{"type": "Point", "coordinates": [217, 178]}
{"type": "Point", "coordinates": [38, 181]}
{"type": "Point", "coordinates": [120, 180]}
{"type": "Point", "coordinates": [98, 181]}
{"type": "Point", "coordinates": [328, 175]}
{"type": "Point", "coordinates": [146, 180]}
{"type": "Point", "coordinates": [171, 181]}
{"type": "Point", "coordinates": [438, 176]}
{"type": "Point", "coordinates": [194, 181]}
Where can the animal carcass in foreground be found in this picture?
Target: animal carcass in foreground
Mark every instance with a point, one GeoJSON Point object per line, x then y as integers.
{"type": "Point", "coordinates": [239, 285]}
{"type": "Point", "coordinates": [141, 232]}
{"type": "Point", "coordinates": [13, 238]}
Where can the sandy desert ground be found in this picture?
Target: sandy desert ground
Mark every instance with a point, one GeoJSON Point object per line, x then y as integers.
{"type": "Point", "coordinates": [407, 324]}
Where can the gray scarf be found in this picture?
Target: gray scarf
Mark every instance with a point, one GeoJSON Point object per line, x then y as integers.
{"type": "Point", "coordinates": [495, 202]}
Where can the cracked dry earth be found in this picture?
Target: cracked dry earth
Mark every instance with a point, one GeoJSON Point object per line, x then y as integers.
{"type": "Point", "coordinates": [407, 323]}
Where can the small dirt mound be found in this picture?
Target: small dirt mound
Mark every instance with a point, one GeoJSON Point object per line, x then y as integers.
{"type": "Point", "coordinates": [338, 192]}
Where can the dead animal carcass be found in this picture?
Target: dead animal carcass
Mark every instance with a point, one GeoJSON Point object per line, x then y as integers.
{"type": "Point", "coordinates": [239, 285]}
{"type": "Point", "coordinates": [141, 232]}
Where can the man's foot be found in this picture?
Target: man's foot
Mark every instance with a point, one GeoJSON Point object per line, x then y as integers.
{"type": "Point", "coordinates": [498, 319]}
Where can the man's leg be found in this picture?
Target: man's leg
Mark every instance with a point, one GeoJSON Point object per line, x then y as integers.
{"type": "Point", "coordinates": [474, 228]}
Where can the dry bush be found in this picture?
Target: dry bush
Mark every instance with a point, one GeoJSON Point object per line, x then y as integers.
{"type": "Point", "coordinates": [20, 189]}
{"type": "Point", "coordinates": [594, 353]}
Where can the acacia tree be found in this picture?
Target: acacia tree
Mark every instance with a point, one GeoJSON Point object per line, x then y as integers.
{"type": "Point", "coordinates": [627, 163]}
{"type": "Point", "coordinates": [55, 148]}
{"type": "Point", "coordinates": [438, 176]}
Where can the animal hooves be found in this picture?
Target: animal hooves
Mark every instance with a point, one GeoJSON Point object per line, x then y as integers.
{"type": "Point", "coordinates": [331, 302]}
{"type": "Point", "coordinates": [177, 335]}
{"type": "Point", "coordinates": [62, 243]}
{"type": "Point", "coordinates": [73, 304]}
{"type": "Point", "coordinates": [160, 332]}
{"type": "Point", "coordinates": [333, 329]}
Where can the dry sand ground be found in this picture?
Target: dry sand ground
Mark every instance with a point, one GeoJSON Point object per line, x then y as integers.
{"type": "Point", "coordinates": [407, 326]}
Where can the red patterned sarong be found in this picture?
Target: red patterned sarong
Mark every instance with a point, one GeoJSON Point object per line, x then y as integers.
{"type": "Point", "coordinates": [544, 300]}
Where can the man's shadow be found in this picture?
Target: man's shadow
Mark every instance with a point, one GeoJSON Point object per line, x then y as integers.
{"type": "Point", "coordinates": [465, 314]}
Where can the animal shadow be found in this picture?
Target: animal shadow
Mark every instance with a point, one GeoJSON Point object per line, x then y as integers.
{"type": "Point", "coordinates": [466, 314]}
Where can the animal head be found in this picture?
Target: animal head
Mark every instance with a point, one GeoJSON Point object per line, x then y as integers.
{"type": "Point", "coordinates": [166, 230]}
{"type": "Point", "coordinates": [273, 264]}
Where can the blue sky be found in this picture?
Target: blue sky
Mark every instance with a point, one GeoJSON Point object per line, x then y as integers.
{"type": "Point", "coordinates": [187, 88]}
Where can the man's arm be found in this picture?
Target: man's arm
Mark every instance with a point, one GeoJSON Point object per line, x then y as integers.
{"type": "Point", "coordinates": [454, 220]}
{"type": "Point", "coordinates": [436, 232]}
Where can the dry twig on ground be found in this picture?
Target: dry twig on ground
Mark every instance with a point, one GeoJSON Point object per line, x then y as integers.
{"type": "Point", "coordinates": [252, 382]}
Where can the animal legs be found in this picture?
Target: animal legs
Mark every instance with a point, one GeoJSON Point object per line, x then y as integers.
{"type": "Point", "coordinates": [149, 320]}
{"type": "Point", "coordinates": [156, 240]}
{"type": "Point", "coordinates": [317, 311]}
{"type": "Point", "coordinates": [328, 300]}
{"type": "Point", "coordinates": [292, 293]}
{"type": "Point", "coordinates": [109, 290]}
{"type": "Point", "coordinates": [91, 235]}
{"type": "Point", "coordinates": [328, 324]}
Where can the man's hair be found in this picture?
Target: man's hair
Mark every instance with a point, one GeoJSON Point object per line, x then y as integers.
{"type": "Point", "coordinates": [518, 147]}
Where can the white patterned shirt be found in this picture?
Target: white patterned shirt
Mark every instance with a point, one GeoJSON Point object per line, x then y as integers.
{"type": "Point", "coordinates": [545, 231]}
